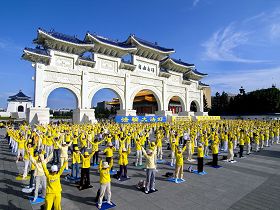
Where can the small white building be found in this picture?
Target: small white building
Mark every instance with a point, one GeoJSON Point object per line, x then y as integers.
{"type": "Point", "coordinates": [18, 104]}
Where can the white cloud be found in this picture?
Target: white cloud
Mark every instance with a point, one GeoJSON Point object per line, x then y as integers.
{"type": "Point", "coordinates": [250, 79]}
{"type": "Point", "coordinates": [275, 31]}
{"type": "Point", "coordinates": [229, 42]}
{"type": "Point", "coordinates": [222, 44]}
{"type": "Point", "coordinates": [195, 2]}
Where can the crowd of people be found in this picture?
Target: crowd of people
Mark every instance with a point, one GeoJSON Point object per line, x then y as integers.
{"type": "Point", "coordinates": [60, 145]}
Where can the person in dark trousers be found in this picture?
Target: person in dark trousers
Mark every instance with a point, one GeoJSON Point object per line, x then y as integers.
{"type": "Point", "coordinates": [123, 162]}
{"type": "Point", "coordinates": [241, 143]}
{"type": "Point", "coordinates": [95, 146]}
{"type": "Point", "coordinates": [200, 156]}
{"type": "Point", "coordinates": [215, 151]}
{"type": "Point", "coordinates": [85, 181]}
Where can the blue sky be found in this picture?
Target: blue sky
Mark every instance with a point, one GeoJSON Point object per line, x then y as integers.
{"type": "Point", "coordinates": [235, 41]}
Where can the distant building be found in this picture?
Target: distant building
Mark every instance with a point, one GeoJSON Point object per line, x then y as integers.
{"type": "Point", "coordinates": [17, 106]}
{"type": "Point", "coordinates": [104, 105]}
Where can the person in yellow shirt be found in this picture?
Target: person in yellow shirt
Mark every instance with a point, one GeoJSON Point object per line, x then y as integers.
{"type": "Point", "coordinates": [215, 151]}
{"type": "Point", "coordinates": [64, 152]}
{"type": "Point", "coordinates": [179, 167]}
{"type": "Point", "coordinates": [28, 149]}
{"type": "Point", "coordinates": [241, 144]}
{"type": "Point", "coordinates": [138, 148]}
{"type": "Point", "coordinates": [150, 169]}
{"type": "Point", "coordinates": [76, 160]}
{"type": "Point", "coordinates": [20, 140]}
{"type": "Point", "coordinates": [105, 182]}
{"type": "Point", "coordinates": [109, 151]}
{"type": "Point", "coordinates": [53, 191]}
{"type": "Point", "coordinates": [123, 162]}
{"type": "Point", "coordinates": [159, 146]}
{"type": "Point", "coordinates": [85, 178]}
{"type": "Point", "coordinates": [95, 146]}
{"type": "Point", "coordinates": [56, 150]}
{"type": "Point", "coordinates": [230, 151]}
{"type": "Point", "coordinates": [200, 157]}
{"type": "Point", "coordinates": [40, 178]}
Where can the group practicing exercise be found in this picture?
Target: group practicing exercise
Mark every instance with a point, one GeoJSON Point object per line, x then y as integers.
{"type": "Point", "coordinates": [111, 149]}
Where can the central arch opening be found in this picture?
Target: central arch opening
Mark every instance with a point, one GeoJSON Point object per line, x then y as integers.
{"type": "Point", "coordinates": [175, 105]}
{"type": "Point", "coordinates": [106, 103]}
{"type": "Point", "coordinates": [145, 103]}
{"type": "Point", "coordinates": [62, 102]}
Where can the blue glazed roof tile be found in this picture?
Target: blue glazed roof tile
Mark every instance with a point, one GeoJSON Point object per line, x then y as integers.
{"type": "Point", "coordinates": [112, 42]}
{"type": "Point", "coordinates": [20, 96]}
{"type": "Point", "coordinates": [63, 37]}
{"type": "Point", "coordinates": [152, 45]}
{"type": "Point", "coordinates": [178, 61]}
{"type": "Point", "coordinates": [38, 51]}
{"type": "Point", "coordinates": [199, 73]}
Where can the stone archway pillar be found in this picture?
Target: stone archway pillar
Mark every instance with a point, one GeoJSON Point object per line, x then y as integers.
{"type": "Point", "coordinates": [165, 111]}
{"type": "Point", "coordinates": [84, 116]}
{"type": "Point", "coordinates": [127, 111]}
{"type": "Point", "coordinates": [37, 115]}
{"type": "Point", "coordinates": [187, 111]}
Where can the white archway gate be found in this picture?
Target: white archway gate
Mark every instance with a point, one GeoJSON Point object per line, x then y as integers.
{"type": "Point", "coordinates": [59, 63]}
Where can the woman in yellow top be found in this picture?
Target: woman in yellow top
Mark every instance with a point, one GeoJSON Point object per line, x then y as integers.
{"type": "Point", "coordinates": [20, 140]}
{"type": "Point", "coordinates": [179, 167]}
{"type": "Point", "coordinates": [85, 178]}
{"type": "Point", "coordinates": [123, 162]}
{"type": "Point", "coordinates": [28, 149]}
{"type": "Point", "coordinates": [53, 191]}
{"type": "Point", "coordinates": [105, 182]}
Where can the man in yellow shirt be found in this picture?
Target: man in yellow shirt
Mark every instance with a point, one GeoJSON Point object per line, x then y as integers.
{"type": "Point", "coordinates": [105, 182]}
{"type": "Point", "coordinates": [85, 178]}
{"type": "Point", "coordinates": [179, 166]}
{"type": "Point", "coordinates": [150, 170]}
{"type": "Point", "coordinates": [53, 191]}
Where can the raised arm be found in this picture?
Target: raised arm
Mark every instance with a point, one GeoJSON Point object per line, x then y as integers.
{"type": "Point", "coordinates": [92, 153]}
{"type": "Point", "coordinates": [62, 168]}
{"type": "Point", "coordinates": [144, 151]}
{"type": "Point", "coordinates": [48, 159]}
{"type": "Point", "coordinates": [45, 169]}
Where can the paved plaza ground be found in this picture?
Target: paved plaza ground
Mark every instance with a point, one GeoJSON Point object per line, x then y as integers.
{"type": "Point", "coordinates": [251, 183]}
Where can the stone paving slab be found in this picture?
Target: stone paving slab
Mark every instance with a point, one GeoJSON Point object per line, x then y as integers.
{"type": "Point", "coordinates": [251, 183]}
